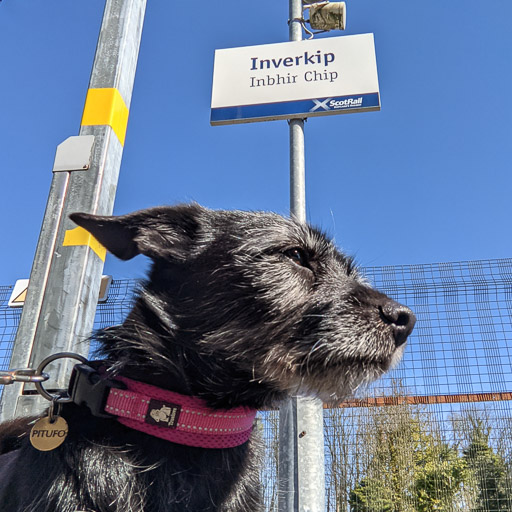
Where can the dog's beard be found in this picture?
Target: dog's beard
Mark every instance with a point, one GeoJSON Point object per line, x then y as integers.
{"type": "Point", "coordinates": [338, 382]}
{"type": "Point", "coordinates": [329, 370]}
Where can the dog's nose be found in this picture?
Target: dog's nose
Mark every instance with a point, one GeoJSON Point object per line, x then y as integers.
{"type": "Point", "coordinates": [401, 318]}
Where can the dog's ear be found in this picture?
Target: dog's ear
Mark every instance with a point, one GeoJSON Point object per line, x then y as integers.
{"type": "Point", "coordinates": [165, 232]}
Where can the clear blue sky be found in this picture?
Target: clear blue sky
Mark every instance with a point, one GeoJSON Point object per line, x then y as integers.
{"type": "Point", "coordinates": [427, 179]}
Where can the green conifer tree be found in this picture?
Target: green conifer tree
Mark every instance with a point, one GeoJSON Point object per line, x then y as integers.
{"type": "Point", "coordinates": [489, 471]}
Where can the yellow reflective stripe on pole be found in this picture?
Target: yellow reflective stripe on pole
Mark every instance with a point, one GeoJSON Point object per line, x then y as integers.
{"type": "Point", "coordinates": [106, 107]}
{"type": "Point", "coordinates": [79, 236]}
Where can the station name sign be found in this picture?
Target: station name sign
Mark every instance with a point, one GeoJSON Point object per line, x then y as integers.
{"type": "Point", "coordinates": [296, 79]}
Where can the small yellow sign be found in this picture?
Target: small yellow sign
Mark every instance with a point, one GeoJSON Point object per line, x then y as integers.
{"type": "Point", "coordinates": [19, 293]}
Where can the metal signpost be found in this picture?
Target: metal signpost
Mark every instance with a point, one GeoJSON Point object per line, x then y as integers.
{"type": "Point", "coordinates": [301, 474]}
{"type": "Point", "coordinates": [60, 305]}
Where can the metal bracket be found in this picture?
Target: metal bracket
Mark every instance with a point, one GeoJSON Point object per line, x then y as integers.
{"type": "Point", "coordinates": [74, 154]}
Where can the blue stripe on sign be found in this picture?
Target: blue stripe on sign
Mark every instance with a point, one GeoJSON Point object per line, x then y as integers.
{"type": "Point", "coordinates": [320, 106]}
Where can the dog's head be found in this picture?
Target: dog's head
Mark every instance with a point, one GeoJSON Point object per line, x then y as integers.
{"type": "Point", "coordinates": [255, 305]}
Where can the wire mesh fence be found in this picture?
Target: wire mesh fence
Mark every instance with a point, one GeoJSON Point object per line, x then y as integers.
{"type": "Point", "coordinates": [9, 321]}
{"type": "Point", "coordinates": [435, 434]}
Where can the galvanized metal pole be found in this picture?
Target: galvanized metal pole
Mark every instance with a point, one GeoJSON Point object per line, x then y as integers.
{"type": "Point", "coordinates": [59, 310]}
{"type": "Point", "coordinates": [301, 471]}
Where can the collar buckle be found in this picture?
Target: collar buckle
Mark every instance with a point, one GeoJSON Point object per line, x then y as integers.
{"type": "Point", "coordinates": [88, 387]}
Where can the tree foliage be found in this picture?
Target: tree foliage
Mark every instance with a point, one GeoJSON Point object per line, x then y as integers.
{"type": "Point", "coordinates": [412, 468]}
{"type": "Point", "coordinates": [490, 475]}
{"type": "Point", "coordinates": [404, 459]}
{"type": "Point", "coordinates": [371, 495]}
{"type": "Point", "coordinates": [438, 476]}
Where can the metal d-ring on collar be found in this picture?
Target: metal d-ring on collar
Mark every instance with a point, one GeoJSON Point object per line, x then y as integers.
{"type": "Point", "coordinates": [59, 399]}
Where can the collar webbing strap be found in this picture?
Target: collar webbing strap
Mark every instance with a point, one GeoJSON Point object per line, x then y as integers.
{"type": "Point", "coordinates": [178, 418]}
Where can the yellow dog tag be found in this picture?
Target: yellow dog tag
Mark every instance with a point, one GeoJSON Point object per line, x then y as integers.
{"type": "Point", "coordinates": [46, 436]}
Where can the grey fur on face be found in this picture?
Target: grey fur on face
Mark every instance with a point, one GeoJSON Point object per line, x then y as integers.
{"type": "Point", "coordinates": [323, 331]}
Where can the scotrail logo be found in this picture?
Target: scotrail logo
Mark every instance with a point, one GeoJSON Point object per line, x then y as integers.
{"type": "Point", "coordinates": [332, 104]}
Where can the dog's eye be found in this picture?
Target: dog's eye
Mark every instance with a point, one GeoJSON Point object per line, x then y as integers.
{"type": "Point", "coordinates": [298, 256]}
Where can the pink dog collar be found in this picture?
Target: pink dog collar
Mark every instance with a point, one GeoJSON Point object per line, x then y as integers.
{"type": "Point", "coordinates": [178, 418]}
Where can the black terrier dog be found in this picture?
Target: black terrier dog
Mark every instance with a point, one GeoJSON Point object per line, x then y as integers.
{"type": "Point", "coordinates": [240, 311]}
